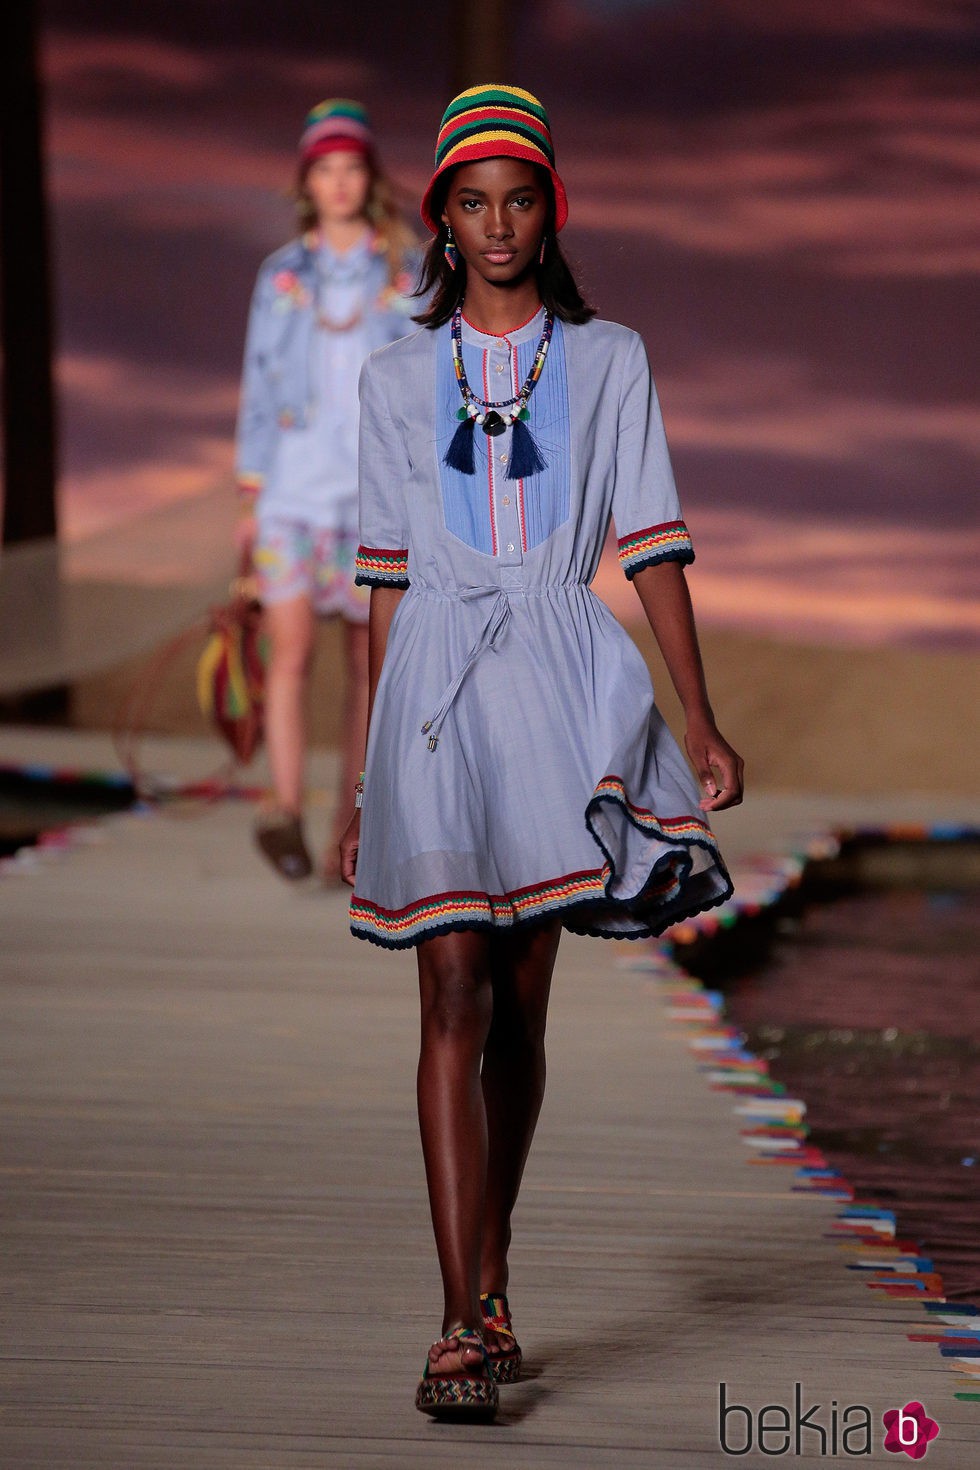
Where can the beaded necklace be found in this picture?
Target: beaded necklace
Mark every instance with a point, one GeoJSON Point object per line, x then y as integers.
{"type": "Point", "coordinates": [495, 417]}
{"type": "Point", "coordinates": [347, 325]}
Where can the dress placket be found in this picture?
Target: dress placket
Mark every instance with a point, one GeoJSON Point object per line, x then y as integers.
{"type": "Point", "coordinates": [500, 367]}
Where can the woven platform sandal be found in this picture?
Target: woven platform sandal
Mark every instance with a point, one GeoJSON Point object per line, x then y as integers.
{"type": "Point", "coordinates": [466, 1394]}
{"type": "Point", "coordinates": [505, 1366]}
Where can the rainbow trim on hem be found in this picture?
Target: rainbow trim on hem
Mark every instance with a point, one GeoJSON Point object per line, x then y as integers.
{"type": "Point", "coordinates": [374, 567]}
{"type": "Point", "coordinates": [683, 832]}
{"type": "Point", "coordinates": [670, 541]}
{"type": "Point", "coordinates": [398, 928]}
{"type": "Point", "coordinates": [442, 912]}
{"type": "Point", "coordinates": [671, 829]}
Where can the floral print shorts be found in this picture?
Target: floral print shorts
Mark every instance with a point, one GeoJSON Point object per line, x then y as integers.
{"type": "Point", "coordinates": [294, 558]}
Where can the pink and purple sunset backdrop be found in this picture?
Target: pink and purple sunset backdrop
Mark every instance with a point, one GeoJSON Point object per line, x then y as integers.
{"type": "Point", "coordinates": [781, 197]}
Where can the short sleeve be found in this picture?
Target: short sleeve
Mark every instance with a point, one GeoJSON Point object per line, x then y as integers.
{"type": "Point", "coordinates": [382, 468]}
{"type": "Point", "coordinates": [646, 509]}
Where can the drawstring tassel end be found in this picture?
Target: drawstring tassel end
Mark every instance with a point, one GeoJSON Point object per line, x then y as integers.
{"type": "Point", "coordinates": [490, 634]}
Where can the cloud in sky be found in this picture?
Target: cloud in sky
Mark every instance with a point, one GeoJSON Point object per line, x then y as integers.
{"type": "Point", "coordinates": [800, 268]}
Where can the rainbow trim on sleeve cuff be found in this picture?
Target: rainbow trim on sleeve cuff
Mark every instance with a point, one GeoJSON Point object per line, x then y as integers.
{"type": "Point", "coordinates": [250, 482]}
{"type": "Point", "coordinates": [374, 567]}
{"type": "Point", "coordinates": [668, 542]}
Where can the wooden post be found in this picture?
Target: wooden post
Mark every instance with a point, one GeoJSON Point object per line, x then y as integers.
{"type": "Point", "coordinates": [29, 435]}
{"type": "Point", "coordinates": [482, 49]}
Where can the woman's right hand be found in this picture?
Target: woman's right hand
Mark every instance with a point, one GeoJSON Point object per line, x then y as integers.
{"type": "Point", "coordinates": [349, 844]}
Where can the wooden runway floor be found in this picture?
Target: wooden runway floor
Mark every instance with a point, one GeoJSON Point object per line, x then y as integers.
{"type": "Point", "coordinates": [215, 1243]}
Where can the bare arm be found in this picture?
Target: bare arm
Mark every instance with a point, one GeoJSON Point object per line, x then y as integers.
{"type": "Point", "coordinates": [384, 601]}
{"type": "Point", "coordinates": [663, 591]}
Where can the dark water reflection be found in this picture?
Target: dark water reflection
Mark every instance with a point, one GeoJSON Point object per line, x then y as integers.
{"type": "Point", "coordinates": [869, 1010]}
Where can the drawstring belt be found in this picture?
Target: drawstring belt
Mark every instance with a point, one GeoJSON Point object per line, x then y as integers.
{"type": "Point", "coordinates": [489, 636]}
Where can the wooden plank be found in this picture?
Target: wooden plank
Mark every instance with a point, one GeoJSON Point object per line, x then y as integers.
{"type": "Point", "coordinates": [215, 1243]}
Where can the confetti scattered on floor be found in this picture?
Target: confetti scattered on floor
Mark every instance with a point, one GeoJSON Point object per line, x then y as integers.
{"type": "Point", "coordinates": [774, 1131]}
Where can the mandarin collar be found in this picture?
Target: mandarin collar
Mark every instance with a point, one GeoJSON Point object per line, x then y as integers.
{"type": "Point", "coordinates": [529, 332]}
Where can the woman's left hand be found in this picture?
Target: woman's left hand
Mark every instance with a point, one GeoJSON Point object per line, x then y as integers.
{"type": "Point", "coordinates": [711, 753]}
{"type": "Point", "coordinates": [349, 844]}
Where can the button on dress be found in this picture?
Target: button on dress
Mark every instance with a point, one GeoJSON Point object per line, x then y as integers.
{"type": "Point", "coordinates": [517, 766]}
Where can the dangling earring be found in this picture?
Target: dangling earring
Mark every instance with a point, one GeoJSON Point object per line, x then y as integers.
{"type": "Point", "coordinates": [544, 241]}
{"type": "Point", "coordinates": [449, 249]}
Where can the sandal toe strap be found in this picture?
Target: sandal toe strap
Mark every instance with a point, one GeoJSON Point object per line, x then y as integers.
{"type": "Point", "coordinates": [463, 1337]}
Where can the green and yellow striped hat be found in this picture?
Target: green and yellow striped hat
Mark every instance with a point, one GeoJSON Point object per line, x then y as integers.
{"type": "Point", "coordinates": [334, 125]}
{"type": "Point", "coordinates": [493, 122]}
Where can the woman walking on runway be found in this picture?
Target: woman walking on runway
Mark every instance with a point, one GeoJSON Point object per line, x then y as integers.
{"type": "Point", "coordinates": [519, 777]}
{"type": "Point", "coordinates": [321, 304]}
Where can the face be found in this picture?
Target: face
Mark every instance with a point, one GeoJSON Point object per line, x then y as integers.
{"type": "Point", "coordinates": [338, 185]}
{"type": "Point", "coordinates": [498, 210]}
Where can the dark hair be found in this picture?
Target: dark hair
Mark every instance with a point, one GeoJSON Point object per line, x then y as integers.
{"type": "Point", "coordinates": [556, 283]}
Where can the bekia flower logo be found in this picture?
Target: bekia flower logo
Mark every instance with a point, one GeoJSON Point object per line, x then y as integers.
{"type": "Point", "coordinates": [909, 1430]}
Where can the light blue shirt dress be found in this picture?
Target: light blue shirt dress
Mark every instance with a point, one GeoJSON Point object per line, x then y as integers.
{"type": "Point", "coordinates": [517, 766]}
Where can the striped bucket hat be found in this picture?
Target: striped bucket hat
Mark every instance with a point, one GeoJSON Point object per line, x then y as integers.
{"type": "Point", "coordinates": [490, 122]}
{"type": "Point", "coordinates": [333, 125]}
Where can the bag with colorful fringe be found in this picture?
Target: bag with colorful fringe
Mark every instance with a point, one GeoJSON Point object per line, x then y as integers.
{"type": "Point", "coordinates": [230, 679]}
{"type": "Point", "coordinates": [231, 672]}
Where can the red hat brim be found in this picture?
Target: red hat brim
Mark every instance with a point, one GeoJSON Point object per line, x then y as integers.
{"type": "Point", "coordinates": [337, 143]}
{"type": "Point", "coordinates": [472, 153]}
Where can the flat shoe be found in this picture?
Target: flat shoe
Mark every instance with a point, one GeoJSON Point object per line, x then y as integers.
{"type": "Point", "coordinates": [279, 837]}
{"type": "Point", "coordinates": [469, 1393]}
{"type": "Point", "coordinates": [505, 1366]}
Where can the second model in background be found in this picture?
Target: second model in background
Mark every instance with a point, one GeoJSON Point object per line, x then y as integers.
{"type": "Point", "coordinates": [321, 304]}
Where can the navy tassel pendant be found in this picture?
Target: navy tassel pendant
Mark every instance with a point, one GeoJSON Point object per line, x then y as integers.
{"type": "Point", "coordinates": [496, 418]}
{"type": "Point", "coordinates": [459, 455]}
{"type": "Point", "coordinates": [525, 456]}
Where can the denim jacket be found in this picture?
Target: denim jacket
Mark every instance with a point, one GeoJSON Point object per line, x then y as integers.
{"type": "Point", "coordinates": [277, 392]}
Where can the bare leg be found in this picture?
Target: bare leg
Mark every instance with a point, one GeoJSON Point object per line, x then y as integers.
{"type": "Point", "coordinates": [353, 737]}
{"type": "Point", "coordinates": [480, 1087]}
{"type": "Point", "coordinates": [455, 991]}
{"type": "Point", "coordinates": [290, 626]}
{"type": "Point", "coordinates": [513, 1079]}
